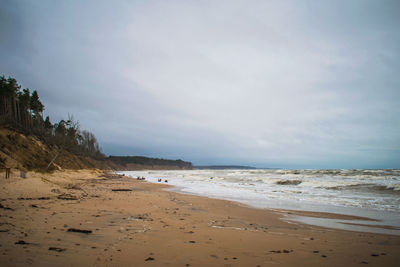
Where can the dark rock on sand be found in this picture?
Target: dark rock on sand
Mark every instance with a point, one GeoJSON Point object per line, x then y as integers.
{"type": "Point", "coordinates": [150, 259]}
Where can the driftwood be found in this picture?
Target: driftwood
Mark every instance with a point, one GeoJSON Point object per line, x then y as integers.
{"type": "Point", "coordinates": [79, 231]}
{"type": "Point", "coordinates": [121, 189]}
{"type": "Point", "coordinates": [57, 249]}
{"type": "Point", "coordinates": [21, 242]}
{"type": "Point", "coordinates": [51, 162]}
{"type": "Point", "coordinates": [67, 197]}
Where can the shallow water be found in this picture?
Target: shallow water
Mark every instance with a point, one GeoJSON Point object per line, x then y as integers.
{"type": "Point", "coordinates": [367, 193]}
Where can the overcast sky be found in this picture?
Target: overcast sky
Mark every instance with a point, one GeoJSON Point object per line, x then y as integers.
{"type": "Point", "coordinates": [293, 84]}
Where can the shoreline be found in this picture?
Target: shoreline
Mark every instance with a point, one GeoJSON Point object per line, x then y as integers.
{"type": "Point", "coordinates": [326, 220]}
{"type": "Point", "coordinates": [358, 219]}
{"type": "Point", "coordinates": [151, 226]}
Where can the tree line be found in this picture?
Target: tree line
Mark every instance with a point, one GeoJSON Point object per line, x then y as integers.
{"type": "Point", "coordinates": [22, 110]}
{"type": "Point", "coordinates": [124, 160]}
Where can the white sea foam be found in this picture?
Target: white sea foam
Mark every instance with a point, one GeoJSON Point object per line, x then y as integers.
{"type": "Point", "coordinates": [371, 193]}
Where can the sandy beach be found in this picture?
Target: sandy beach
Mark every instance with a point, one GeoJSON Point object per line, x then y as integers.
{"type": "Point", "coordinates": [89, 218]}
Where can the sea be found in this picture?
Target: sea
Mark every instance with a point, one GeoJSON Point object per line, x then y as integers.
{"type": "Point", "coordinates": [374, 194]}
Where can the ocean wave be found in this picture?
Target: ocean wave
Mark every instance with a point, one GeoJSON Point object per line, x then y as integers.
{"type": "Point", "coordinates": [368, 188]}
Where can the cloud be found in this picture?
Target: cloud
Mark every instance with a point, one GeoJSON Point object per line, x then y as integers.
{"type": "Point", "coordinates": [270, 83]}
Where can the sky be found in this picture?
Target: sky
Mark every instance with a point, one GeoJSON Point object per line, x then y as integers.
{"type": "Point", "coordinates": [282, 84]}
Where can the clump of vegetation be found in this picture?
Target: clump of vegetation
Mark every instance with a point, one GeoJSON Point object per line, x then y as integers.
{"type": "Point", "coordinates": [22, 111]}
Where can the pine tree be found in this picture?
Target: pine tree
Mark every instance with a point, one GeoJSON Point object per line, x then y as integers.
{"type": "Point", "coordinates": [47, 123]}
{"type": "Point", "coordinates": [36, 105]}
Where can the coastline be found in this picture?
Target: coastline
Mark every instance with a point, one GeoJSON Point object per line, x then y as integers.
{"type": "Point", "coordinates": [152, 226]}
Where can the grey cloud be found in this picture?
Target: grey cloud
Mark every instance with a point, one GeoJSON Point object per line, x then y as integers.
{"type": "Point", "coordinates": [269, 83]}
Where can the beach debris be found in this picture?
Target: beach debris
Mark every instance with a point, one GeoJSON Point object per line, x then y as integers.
{"type": "Point", "coordinates": [375, 255]}
{"type": "Point", "coordinates": [121, 189]}
{"type": "Point", "coordinates": [34, 206]}
{"type": "Point", "coordinates": [281, 251]}
{"type": "Point", "coordinates": [316, 251]}
{"type": "Point", "coordinates": [79, 231]}
{"type": "Point", "coordinates": [150, 259]}
{"type": "Point", "coordinates": [43, 198]}
{"type": "Point", "coordinates": [67, 197]}
{"type": "Point", "coordinates": [21, 242]}
{"type": "Point", "coordinates": [289, 182]}
{"type": "Point", "coordinates": [5, 208]}
{"type": "Point", "coordinates": [364, 262]}
{"type": "Point", "coordinates": [324, 256]}
{"type": "Point", "coordinates": [192, 241]}
{"type": "Point", "coordinates": [57, 249]}
{"type": "Point", "coordinates": [166, 181]}
{"type": "Point", "coordinates": [275, 251]}
{"type": "Point", "coordinates": [144, 217]}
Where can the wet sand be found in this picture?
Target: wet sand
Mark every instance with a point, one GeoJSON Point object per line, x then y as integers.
{"type": "Point", "coordinates": [74, 218]}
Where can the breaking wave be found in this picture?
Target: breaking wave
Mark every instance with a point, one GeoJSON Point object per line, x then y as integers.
{"type": "Point", "coordinates": [372, 189]}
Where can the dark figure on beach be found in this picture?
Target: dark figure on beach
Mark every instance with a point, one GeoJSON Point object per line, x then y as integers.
{"type": "Point", "coordinates": [159, 180]}
{"type": "Point", "coordinates": [8, 172]}
{"type": "Point", "coordinates": [166, 181]}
